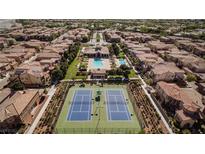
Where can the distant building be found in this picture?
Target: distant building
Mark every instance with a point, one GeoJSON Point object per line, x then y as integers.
{"type": "Point", "coordinates": [4, 94]}
{"type": "Point", "coordinates": [147, 60]}
{"type": "Point", "coordinates": [19, 57]}
{"type": "Point", "coordinates": [98, 73]}
{"type": "Point", "coordinates": [99, 51]}
{"type": "Point", "coordinates": [112, 37]}
{"type": "Point", "coordinates": [186, 106]}
{"type": "Point", "coordinates": [201, 88]}
{"type": "Point", "coordinates": [33, 74]}
{"type": "Point", "coordinates": [191, 47]}
{"type": "Point", "coordinates": [48, 55]}
{"type": "Point", "coordinates": [7, 64]}
{"type": "Point", "coordinates": [157, 45]}
{"type": "Point", "coordinates": [166, 71]}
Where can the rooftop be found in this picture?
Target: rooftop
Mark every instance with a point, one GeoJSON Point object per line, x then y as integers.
{"type": "Point", "coordinates": [166, 67]}
{"type": "Point", "coordinates": [4, 93]}
{"type": "Point", "coordinates": [16, 103]}
{"type": "Point", "coordinates": [178, 94]}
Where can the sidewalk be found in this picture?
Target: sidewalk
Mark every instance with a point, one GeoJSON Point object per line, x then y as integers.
{"type": "Point", "coordinates": [51, 92]}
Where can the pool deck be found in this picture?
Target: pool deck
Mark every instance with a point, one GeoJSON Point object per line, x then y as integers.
{"type": "Point", "coordinates": [106, 64]}
{"type": "Point", "coordinates": [99, 122]}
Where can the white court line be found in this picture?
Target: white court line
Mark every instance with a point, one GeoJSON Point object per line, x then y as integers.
{"type": "Point", "coordinates": [74, 100]}
{"type": "Point", "coordinates": [115, 95]}
{"type": "Point", "coordinates": [81, 102]}
{"type": "Point", "coordinates": [82, 98]}
{"type": "Point", "coordinates": [125, 105]}
{"type": "Point", "coordinates": [90, 103]}
{"type": "Point", "coordinates": [71, 109]}
{"type": "Point", "coordinates": [116, 103]}
{"type": "Point", "coordinates": [118, 111]}
{"type": "Point", "coordinates": [79, 111]}
{"type": "Point", "coordinates": [108, 106]}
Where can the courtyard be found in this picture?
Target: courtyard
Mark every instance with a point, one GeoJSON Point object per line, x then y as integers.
{"type": "Point", "coordinates": [99, 63]}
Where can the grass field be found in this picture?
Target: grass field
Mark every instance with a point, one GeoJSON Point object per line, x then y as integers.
{"type": "Point", "coordinates": [72, 70]}
{"type": "Point", "coordinates": [132, 74]}
{"type": "Point", "coordinates": [98, 37]}
{"type": "Point", "coordinates": [99, 123]}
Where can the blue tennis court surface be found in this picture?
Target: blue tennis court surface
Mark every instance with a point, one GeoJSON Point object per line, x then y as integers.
{"type": "Point", "coordinates": [81, 105]}
{"type": "Point", "coordinates": [116, 105]}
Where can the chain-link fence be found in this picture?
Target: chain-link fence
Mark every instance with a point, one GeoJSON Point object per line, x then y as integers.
{"type": "Point", "coordinates": [97, 130]}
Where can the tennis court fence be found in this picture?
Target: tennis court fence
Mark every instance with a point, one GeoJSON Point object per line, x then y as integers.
{"type": "Point", "coordinates": [97, 130]}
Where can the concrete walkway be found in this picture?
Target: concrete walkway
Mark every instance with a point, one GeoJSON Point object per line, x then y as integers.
{"type": "Point", "coordinates": [31, 59]}
{"type": "Point", "coordinates": [35, 123]}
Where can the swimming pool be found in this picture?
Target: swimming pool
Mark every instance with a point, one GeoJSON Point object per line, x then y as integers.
{"type": "Point", "coordinates": [122, 62]}
{"type": "Point", "coordinates": [97, 63]}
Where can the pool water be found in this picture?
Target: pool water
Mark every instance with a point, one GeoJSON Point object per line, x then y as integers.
{"type": "Point", "coordinates": [97, 63]}
{"type": "Point", "coordinates": [122, 62]}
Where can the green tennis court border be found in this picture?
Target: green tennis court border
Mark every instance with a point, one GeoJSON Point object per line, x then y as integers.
{"type": "Point", "coordinates": [99, 122]}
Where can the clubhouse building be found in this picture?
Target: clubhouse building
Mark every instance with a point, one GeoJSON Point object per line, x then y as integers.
{"type": "Point", "coordinates": [96, 52]}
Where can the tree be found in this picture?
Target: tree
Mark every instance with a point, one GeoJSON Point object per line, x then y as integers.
{"type": "Point", "coordinates": [111, 50]}
{"type": "Point", "coordinates": [191, 77]}
{"type": "Point", "coordinates": [85, 39]}
{"type": "Point", "coordinates": [119, 71]}
{"type": "Point", "coordinates": [149, 81]}
{"type": "Point", "coordinates": [63, 67]}
{"type": "Point", "coordinates": [126, 73]}
{"type": "Point", "coordinates": [124, 67]}
{"type": "Point", "coordinates": [97, 99]}
{"type": "Point", "coordinates": [186, 131]}
{"type": "Point", "coordinates": [17, 85]}
{"type": "Point", "coordinates": [57, 74]}
{"type": "Point", "coordinates": [66, 54]}
{"type": "Point", "coordinates": [111, 72]}
{"type": "Point", "coordinates": [116, 49]}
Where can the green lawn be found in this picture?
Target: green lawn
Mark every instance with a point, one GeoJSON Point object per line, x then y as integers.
{"type": "Point", "coordinates": [132, 74]}
{"type": "Point", "coordinates": [80, 77]}
{"type": "Point", "coordinates": [98, 37]}
{"type": "Point", "coordinates": [99, 122]}
{"type": "Point", "coordinates": [116, 76]}
{"type": "Point", "coordinates": [121, 55]}
{"type": "Point", "coordinates": [72, 70]}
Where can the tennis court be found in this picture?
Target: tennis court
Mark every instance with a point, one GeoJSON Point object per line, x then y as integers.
{"type": "Point", "coordinates": [116, 105]}
{"type": "Point", "coordinates": [83, 113]}
{"type": "Point", "coordinates": [80, 108]}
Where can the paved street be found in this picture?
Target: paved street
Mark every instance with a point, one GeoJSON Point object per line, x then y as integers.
{"type": "Point", "coordinates": [94, 42]}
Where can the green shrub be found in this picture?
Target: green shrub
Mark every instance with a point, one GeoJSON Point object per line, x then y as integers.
{"type": "Point", "coordinates": [17, 85]}
{"type": "Point", "coordinates": [191, 77]}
